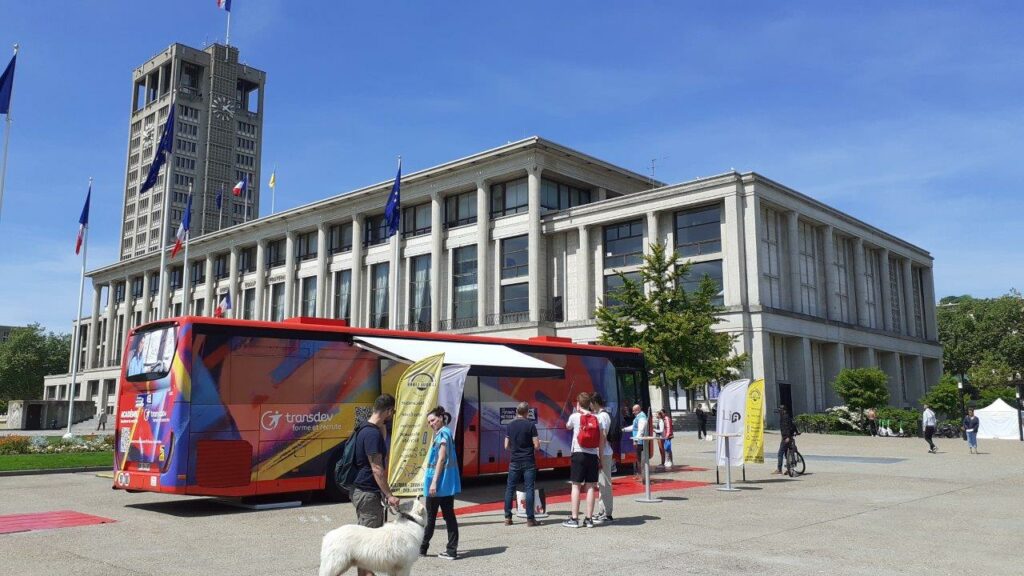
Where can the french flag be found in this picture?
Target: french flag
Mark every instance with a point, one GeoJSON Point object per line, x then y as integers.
{"type": "Point", "coordinates": [182, 236]}
{"type": "Point", "coordinates": [224, 5]}
{"type": "Point", "coordinates": [83, 221]}
{"type": "Point", "coordinates": [224, 306]}
{"type": "Point", "coordinates": [242, 187]}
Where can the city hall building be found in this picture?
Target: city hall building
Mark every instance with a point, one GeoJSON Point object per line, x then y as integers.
{"type": "Point", "coordinates": [525, 240]}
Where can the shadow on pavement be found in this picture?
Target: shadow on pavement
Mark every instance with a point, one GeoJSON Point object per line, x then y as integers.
{"type": "Point", "coordinates": [633, 520]}
{"type": "Point", "coordinates": [482, 552]}
{"type": "Point", "coordinates": [197, 508]}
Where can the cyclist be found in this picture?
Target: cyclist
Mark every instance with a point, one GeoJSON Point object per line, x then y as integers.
{"type": "Point", "coordinates": [788, 431]}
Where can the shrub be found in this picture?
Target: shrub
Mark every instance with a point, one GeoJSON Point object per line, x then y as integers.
{"type": "Point", "coordinates": [862, 388]}
{"type": "Point", "coordinates": [14, 445]}
{"type": "Point", "coordinates": [908, 420]}
{"type": "Point", "coordinates": [989, 395]}
{"type": "Point", "coordinates": [944, 398]}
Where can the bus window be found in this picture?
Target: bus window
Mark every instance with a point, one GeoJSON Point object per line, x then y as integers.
{"type": "Point", "coordinates": [629, 389]}
{"type": "Point", "coordinates": [150, 354]}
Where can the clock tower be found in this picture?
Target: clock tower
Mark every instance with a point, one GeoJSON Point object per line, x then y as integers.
{"type": "Point", "coordinates": [217, 142]}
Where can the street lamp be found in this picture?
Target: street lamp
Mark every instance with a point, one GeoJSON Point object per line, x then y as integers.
{"type": "Point", "coordinates": [1020, 423]}
{"type": "Point", "coordinates": [960, 393]}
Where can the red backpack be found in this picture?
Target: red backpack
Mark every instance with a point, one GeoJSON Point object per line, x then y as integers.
{"type": "Point", "coordinates": [589, 434]}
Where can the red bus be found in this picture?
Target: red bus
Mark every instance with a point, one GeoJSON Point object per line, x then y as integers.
{"type": "Point", "coordinates": [239, 408]}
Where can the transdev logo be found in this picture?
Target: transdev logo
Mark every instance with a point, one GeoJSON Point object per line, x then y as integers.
{"type": "Point", "coordinates": [270, 419]}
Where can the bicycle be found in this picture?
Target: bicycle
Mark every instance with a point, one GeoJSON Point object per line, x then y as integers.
{"type": "Point", "coordinates": [795, 464]}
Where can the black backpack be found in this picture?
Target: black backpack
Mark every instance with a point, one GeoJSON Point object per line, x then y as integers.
{"type": "Point", "coordinates": [345, 470]}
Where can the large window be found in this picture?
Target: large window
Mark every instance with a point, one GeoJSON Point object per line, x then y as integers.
{"type": "Point", "coordinates": [376, 230]}
{"type": "Point", "coordinates": [460, 209]}
{"type": "Point", "coordinates": [873, 294]}
{"type": "Point", "coordinates": [918, 286]}
{"type": "Point", "coordinates": [464, 285]}
{"type": "Point", "coordinates": [277, 302]}
{"type": "Point", "coordinates": [249, 303]}
{"type": "Point", "coordinates": [713, 270]}
{"type": "Point", "coordinates": [557, 196]}
{"type": "Point", "coordinates": [613, 282]}
{"type": "Point", "coordinates": [419, 293]}
{"type": "Point", "coordinates": [176, 279]}
{"type": "Point", "coordinates": [895, 295]}
{"type": "Point", "coordinates": [623, 244]}
{"type": "Point", "coordinates": [515, 303]}
{"type": "Point", "coordinates": [247, 259]}
{"type": "Point", "coordinates": [308, 307]}
{"type": "Point", "coordinates": [220, 267]}
{"type": "Point", "coordinates": [343, 295]}
{"type": "Point", "coordinates": [509, 198]}
{"type": "Point", "coordinates": [771, 258]}
{"type": "Point", "coordinates": [843, 270]}
{"type": "Point", "coordinates": [339, 238]}
{"type": "Point", "coordinates": [306, 247]}
{"type": "Point", "coordinates": [197, 272]}
{"type": "Point", "coordinates": [275, 253]}
{"type": "Point", "coordinates": [416, 220]}
{"type": "Point", "coordinates": [515, 257]}
{"type": "Point", "coordinates": [808, 260]}
{"type": "Point", "coordinates": [699, 231]}
{"type": "Point", "coordinates": [379, 295]}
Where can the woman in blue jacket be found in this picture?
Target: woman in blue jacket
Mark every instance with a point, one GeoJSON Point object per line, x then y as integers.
{"type": "Point", "coordinates": [441, 483]}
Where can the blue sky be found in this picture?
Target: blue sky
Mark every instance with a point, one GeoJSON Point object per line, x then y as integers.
{"type": "Point", "coordinates": [906, 115]}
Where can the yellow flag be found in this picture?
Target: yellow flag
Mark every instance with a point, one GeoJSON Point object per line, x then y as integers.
{"type": "Point", "coordinates": [753, 432]}
{"type": "Point", "coordinates": [410, 435]}
{"type": "Point", "coordinates": [273, 179]}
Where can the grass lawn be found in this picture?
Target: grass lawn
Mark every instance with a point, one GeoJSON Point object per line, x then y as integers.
{"type": "Point", "coordinates": [50, 461]}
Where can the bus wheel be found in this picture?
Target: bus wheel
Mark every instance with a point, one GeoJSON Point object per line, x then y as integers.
{"type": "Point", "coordinates": [332, 491]}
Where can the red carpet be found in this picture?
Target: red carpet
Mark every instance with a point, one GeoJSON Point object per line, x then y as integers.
{"type": "Point", "coordinates": [623, 486]}
{"type": "Point", "coordinates": [47, 520]}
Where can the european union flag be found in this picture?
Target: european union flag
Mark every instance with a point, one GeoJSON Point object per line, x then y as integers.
{"type": "Point", "coordinates": [393, 211]}
{"type": "Point", "coordinates": [7, 86]}
{"type": "Point", "coordinates": [162, 151]}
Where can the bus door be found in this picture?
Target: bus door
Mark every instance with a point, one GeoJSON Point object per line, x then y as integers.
{"type": "Point", "coordinates": [631, 391]}
{"type": "Point", "coordinates": [468, 435]}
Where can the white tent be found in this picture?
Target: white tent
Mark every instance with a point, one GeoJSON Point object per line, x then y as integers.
{"type": "Point", "coordinates": [998, 420]}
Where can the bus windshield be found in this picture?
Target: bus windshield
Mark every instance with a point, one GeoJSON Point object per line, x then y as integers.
{"type": "Point", "coordinates": [150, 354]}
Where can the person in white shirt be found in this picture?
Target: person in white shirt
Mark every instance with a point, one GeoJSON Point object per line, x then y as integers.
{"type": "Point", "coordinates": [585, 463]}
{"type": "Point", "coordinates": [604, 480]}
{"type": "Point", "coordinates": [928, 424]}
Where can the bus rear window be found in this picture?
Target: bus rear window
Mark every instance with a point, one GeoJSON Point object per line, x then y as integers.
{"type": "Point", "coordinates": [150, 354]}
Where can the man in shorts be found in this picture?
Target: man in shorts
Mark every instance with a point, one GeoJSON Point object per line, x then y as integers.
{"type": "Point", "coordinates": [585, 463]}
{"type": "Point", "coordinates": [370, 489]}
{"type": "Point", "coordinates": [604, 481]}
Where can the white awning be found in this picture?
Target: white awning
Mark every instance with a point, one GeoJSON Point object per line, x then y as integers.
{"type": "Point", "coordinates": [468, 353]}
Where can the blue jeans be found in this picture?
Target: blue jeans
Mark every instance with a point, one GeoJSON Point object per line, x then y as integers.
{"type": "Point", "coordinates": [972, 439]}
{"type": "Point", "coordinates": [527, 474]}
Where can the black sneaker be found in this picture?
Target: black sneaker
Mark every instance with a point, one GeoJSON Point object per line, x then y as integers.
{"type": "Point", "coordinates": [588, 523]}
{"type": "Point", "coordinates": [607, 520]}
{"type": "Point", "coordinates": [571, 523]}
{"type": "Point", "coordinates": [447, 556]}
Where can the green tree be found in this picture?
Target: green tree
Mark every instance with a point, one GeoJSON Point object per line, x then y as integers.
{"type": "Point", "coordinates": [862, 388]}
{"type": "Point", "coordinates": [974, 331]}
{"type": "Point", "coordinates": [944, 398]}
{"type": "Point", "coordinates": [26, 357]}
{"type": "Point", "coordinates": [674, 327]}
{"type": "Point", "coordinates": [989, 395]}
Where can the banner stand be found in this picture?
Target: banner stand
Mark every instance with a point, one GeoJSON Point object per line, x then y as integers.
{"type": "Point", "coordinates": [728, 467]}
{"type": "Point", "coordinates": [647, 499]}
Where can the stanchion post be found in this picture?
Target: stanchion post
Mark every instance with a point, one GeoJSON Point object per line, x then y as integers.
{"type": "Point", "coordinates": [647, 473]}
{"type": "Point", "coordinates": [728, 466]}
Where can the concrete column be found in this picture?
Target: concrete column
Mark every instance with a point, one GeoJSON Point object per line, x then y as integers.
{"type": "Point", "coordinates": [538, 254]}
{"type": "Point", "coordinates": [436, 257]}
{"type": "Point", "coordinates": [233, 291]}
{"type": "Point", "coordinates": [887, 296]}
{"type": "Point", "coordinates": [747, 230]}
{"type": "Point", "coordinates": [261, 280]}
{"type": "Point", "coordinates": [321, 270]}
{"type": "Point", "coordinates": [94, 328]}
{"type": "Point", "coordinates": [129, 311]}
{"type": "Point", "coordinates": [928, 287]}
{"type": "Point", "coordinates": [838, 362]}
{"type": "Point", "coordinates": [108, 359]}
{"type": "Point", "coordinates": [908, 297]}
{"type": "Point", "coordinates": [807, 374]}
{"type": "Point", "coordinates": [793, 261]}
{"type": "Point", "coordinates": [289, 274]}
{"type": "Point", "coordinates": [357, 270]}
{"type": "Point", "coordinates": [872, 358]}
{"type": "Point", "coordinates": [146, 298]}
{"type": "Point", "coordinates": [586, 276]}
{"type": "Point", "coordinates": [211, 288]}
{"type": "Point", "coordinates": [861, 283]}
{"type": "Point", "coordinates": [483, 238]}
{"type": "Point", "coordinates": [164, 308]}
{"type": "Point", "coordinates": [186, 287]}
{"type": "Point", "coordinates": [831, 274]}
{"type": "Point", "coordinates": [919, 379]}
{"type": "Point", "coordinates": [652, 235]}
{"type": "Point", "coordinates": [395, 316]}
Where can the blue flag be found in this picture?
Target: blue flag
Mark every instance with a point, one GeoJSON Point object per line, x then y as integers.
{"type": "Point", "coordinates": [162, 151]}
{"type": "Point", "coordinates": [393, 211]}
{"type": "Point", "coordinates": [7, 86]}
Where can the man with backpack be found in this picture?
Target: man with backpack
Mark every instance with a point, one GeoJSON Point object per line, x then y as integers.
{"type": "Point", "coordinates": [587, 446]}
{"type": "Point", "coordinates": [604, 480]}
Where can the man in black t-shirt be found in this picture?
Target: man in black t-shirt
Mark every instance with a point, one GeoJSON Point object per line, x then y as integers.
{"type": "Point", "coordinates": [371, 483]}
{"type": "Point", "coordinates": [522, 440]}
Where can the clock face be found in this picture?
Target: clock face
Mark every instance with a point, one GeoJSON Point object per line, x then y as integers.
{"type": "Point", "coordinates": [223, 108]}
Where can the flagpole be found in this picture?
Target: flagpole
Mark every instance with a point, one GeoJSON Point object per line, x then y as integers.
{"type": "Point", "coordinates": [398, 265]}
{"type": "Point", "coordinates": [78, 325]}
{"type": "Point", "coordinates": [202, 219]}
{"type": "Point", "coordinates": [220, 219]}
{"type": "Point", "coordinates": [161, 307]}
{"type": "Point", "coordinates": [245, 206]}
{"type": "Point", "coordinates": [227, 35]}
{"type": "Point", "coordinates": [7, 140]}
{"type": "Point", "coordinates": [185, 286]}
{"type": "Point", "coordinates": [273, 191]}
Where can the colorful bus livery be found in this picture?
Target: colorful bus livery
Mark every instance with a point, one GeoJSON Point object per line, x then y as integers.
{"type": "Point", "coordinates": [241, 408]}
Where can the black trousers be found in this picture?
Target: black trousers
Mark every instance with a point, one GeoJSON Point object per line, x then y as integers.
{"type": "Point", "coordinates": [702, 429]}
{"type": "Point", "coordinates": [447, 506]}
{"type": "Point", "coordinates": [929, 431]}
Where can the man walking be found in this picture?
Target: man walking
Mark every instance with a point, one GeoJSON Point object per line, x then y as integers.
{"type": "Point", "coordinates": [587, 447]}
{"type": "Point", "coordinates": [523, 442]}
{"type": "Point", "coordinates": [604, 479]}
{"type": "Point", "coordinates": [702, 422]}
{"type": "Point", "coordinates": [102, 424]}
{"type": "Point", "coordinates": [928, 424]}
{"type": "Point", "coordinates": [370, 460]}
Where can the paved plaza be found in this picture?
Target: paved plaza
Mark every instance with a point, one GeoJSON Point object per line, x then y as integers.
{"type": "Point", "coordinates": [866, 506]}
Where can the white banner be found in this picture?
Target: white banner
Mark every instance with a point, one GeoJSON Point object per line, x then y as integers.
{"type": "Point", "coordinates": [732, 405]}
{"type": "Point", "coordinates": [449, 395]}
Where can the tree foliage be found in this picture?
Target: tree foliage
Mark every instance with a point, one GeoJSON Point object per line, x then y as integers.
{"type": "Point", "coordinates": [862, 388]}
{"type": "Point", "coordinates": [673, 327]}
{"type": "Point", "coordinates": [989, 395]}
{"type": "Point", "coordinates": [944, 398]}
{"type": "Point", "coordinates": [26, 357]}
{"type": "Point", "coordinates": [982, 339]}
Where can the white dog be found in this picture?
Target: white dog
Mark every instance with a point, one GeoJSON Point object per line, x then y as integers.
{"type": "Point", "coordinates": [390, 549]}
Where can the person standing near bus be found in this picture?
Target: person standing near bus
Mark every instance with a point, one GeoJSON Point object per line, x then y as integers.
{"type": "Point", "coordinates": [587, 446]}
{"type": "Point", "coordinates": [604, 479]}
{"type": "Point", "coordinates": [638, 428]}
{"type": "Point", "coordinates": [523, 442]}
{"type": "Point", "coordinates": [666, 438]}
{"type": "Point", "coordinates": [440, 485]}
{"type": "Point", "coordinates": [371, 486]}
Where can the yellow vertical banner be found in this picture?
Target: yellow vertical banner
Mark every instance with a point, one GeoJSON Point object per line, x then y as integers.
{"type": "Point", "coordinates": [753, 432]}
{"type": "Point", "coordinates": [415, 395]}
